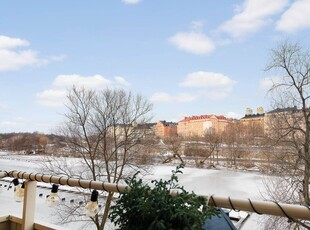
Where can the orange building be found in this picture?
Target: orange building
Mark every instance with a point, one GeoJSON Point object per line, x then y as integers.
{"type": "Point", "coordinates": [200, 125]}
{"type": "Point", "coordinates": [165, 129]}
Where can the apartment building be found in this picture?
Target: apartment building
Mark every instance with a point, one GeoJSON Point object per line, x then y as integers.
{"type": "Point", "coordinates": [200, 125]}
{"type": "Point", "coordinates": [286, 122]}
{"type": "Point", "coordinates": [165, 129]}
{"type": "Point", "coordinates": [254, 122]}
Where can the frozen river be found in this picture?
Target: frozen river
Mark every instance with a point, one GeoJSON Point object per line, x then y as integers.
{"type": "Point", "coordinates": [202, 181]}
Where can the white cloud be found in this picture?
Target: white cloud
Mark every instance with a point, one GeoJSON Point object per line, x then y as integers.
{"type": "Point", "coordinates": [14, 122]}
{"type": "Point", "coordinates": [203, 79]}
{"type": "Point", "coordinates": [122, 82]}
{"type": "Point", "coordinates": [131, 1]}
{"type": "Point", "coordinates": [266, 83]}
{"type": "Point", "coordinates": [52, 97]}
{"type": "Point", "coordinates": [179, 117]}
{"type": "Point", "coordinates": [55, 96]}
{"type": "Point", "coordinates": [296, 17]}
{"type": "Point", "coordinates": [197, 25]}
{"type": "Point", "coordinates": [8, 123]}
{"type": "Point", "coordinates": [90, 82]}
{"type": "Point", "coordinates": [8, 43]}
{"type": "Point", "coordinates": [14, 60]}
{"type": "Point", "coordinates": [207, 84]}
{"type": "Point", "coordinates": [233, 115]}
{"type": "Point", "coordinates": [167, 98]}
{"type": "Point", "coordinates": [13, 57]}
{"type": "Point", "coordinates": [216, 85]}
{"type": "Point", "coordinates": [193, 42]}
{"type": "Point", "coordinates": [20, 124]}
{"type": "Point", "coordinates": [252, 16]}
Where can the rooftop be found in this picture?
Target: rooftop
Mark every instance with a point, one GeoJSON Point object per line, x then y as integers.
{"type": "Point", "coordinates": [249, 116]}
{"type": "Point", "coordinates": [287, 109]}
{"type": "Point", "coordinates": [201, 117]}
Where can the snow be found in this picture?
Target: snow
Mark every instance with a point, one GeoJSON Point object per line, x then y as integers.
{"type": "Point", "coordinates": [222, 182]}
{"type": "Point", "coordinates": [212, 181]}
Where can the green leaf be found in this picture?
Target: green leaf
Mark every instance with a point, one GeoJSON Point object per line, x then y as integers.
{"type": "Point", "coordinates": [145, 208]}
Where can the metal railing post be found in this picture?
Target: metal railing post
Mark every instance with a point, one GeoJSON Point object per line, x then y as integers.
{"type": "Point", "coordinates": [29, 205]}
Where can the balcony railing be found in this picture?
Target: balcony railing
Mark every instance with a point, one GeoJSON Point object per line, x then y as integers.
{"type": "Point", "coordinates": [27, 222]}
{"type": "Point", "coordinates": [15, 223]}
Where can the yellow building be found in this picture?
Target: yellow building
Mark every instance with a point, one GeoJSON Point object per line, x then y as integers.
{"type": "Point", "coordinates": [285, 122]}
{"type": "Point", "coordinates": [201, 125]}
{"type": "Point", "coordinates": [254, 122]}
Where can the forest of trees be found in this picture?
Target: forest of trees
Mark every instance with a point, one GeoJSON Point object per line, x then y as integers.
{"type": "Point", "coordinates": [29, 143]}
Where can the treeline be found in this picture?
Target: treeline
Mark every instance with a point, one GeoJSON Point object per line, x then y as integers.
{"type": "Point", "coordinates": [30, 143]}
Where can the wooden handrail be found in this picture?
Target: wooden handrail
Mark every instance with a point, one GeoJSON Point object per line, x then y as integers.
{"type": "Point", "coordinates": [293, 211]}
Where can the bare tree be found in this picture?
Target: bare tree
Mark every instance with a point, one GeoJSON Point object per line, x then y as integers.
{"type": "Point", "coordinates": [174, 144]}
{"type": "Point", "coordinates": [252, 133]}
{"type": "Point", "coordinates": [212, 142]}
{"type": "Point", "coordinates": [233, 138]}
{"type": "Point", "coordinates": [289, 123]}
{"type": "Point", "coordinates": [100, 128]}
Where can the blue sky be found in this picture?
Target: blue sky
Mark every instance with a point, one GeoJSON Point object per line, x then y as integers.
{"type": "Point", "coordinates": [187, 57]}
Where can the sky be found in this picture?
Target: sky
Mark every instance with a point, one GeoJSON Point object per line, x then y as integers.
{"type": "Point", "coordinates": [186, 57]}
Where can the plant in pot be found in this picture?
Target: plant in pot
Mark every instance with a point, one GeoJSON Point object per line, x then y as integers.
{"type": "Point", "coordinates": [156, 208]}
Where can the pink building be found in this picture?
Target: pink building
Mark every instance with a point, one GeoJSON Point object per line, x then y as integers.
{"type": "Point", "coordinates": [165, 129]}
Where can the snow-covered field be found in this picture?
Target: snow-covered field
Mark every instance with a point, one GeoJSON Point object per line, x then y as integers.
{"type": "Point", "coordinates": [202, 181]}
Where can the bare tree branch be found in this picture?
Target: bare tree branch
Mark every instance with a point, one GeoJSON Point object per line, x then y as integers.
{"type": "Point", "coordinates": [99, 128]}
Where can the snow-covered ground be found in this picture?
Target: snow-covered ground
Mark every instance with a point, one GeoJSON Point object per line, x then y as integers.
{"type": "Point", "coordinates": [202, 181]}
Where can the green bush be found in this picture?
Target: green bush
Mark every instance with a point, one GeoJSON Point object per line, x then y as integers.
{"type": "Point", "coordinates": [144, 207]}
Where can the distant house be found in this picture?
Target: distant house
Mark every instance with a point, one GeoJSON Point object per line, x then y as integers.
{"type": "Point", "coordinates": [146, 130]}
{"type": "Point", "coordinates": [142, 130]}
{"type": "Point", "coordinates": [201, 125]}
{"type": "Point", "coordinates": [165, 129]}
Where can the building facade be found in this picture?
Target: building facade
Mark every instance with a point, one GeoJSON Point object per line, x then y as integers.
{"type": "Point", "coordinates": [254, 122]}
{"type": "Point", "coordinates": [201, 125]}
{"type": "Point", "coordinates": [164, 129]}
{"type": "Point", "coordinates": [288, 122]}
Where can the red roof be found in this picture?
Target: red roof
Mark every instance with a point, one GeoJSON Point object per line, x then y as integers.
{"type": "Point", "coordinates": [220, 117]}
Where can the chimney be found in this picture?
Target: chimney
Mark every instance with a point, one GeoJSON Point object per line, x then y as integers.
{"type": "Point", "coordinates": [248, 112]}
{"type": "Point", "coordinates": [260, 110]}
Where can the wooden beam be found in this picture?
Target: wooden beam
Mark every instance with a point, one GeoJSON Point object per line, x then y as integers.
{"type": "Point", "coordinates": [29, 205]}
